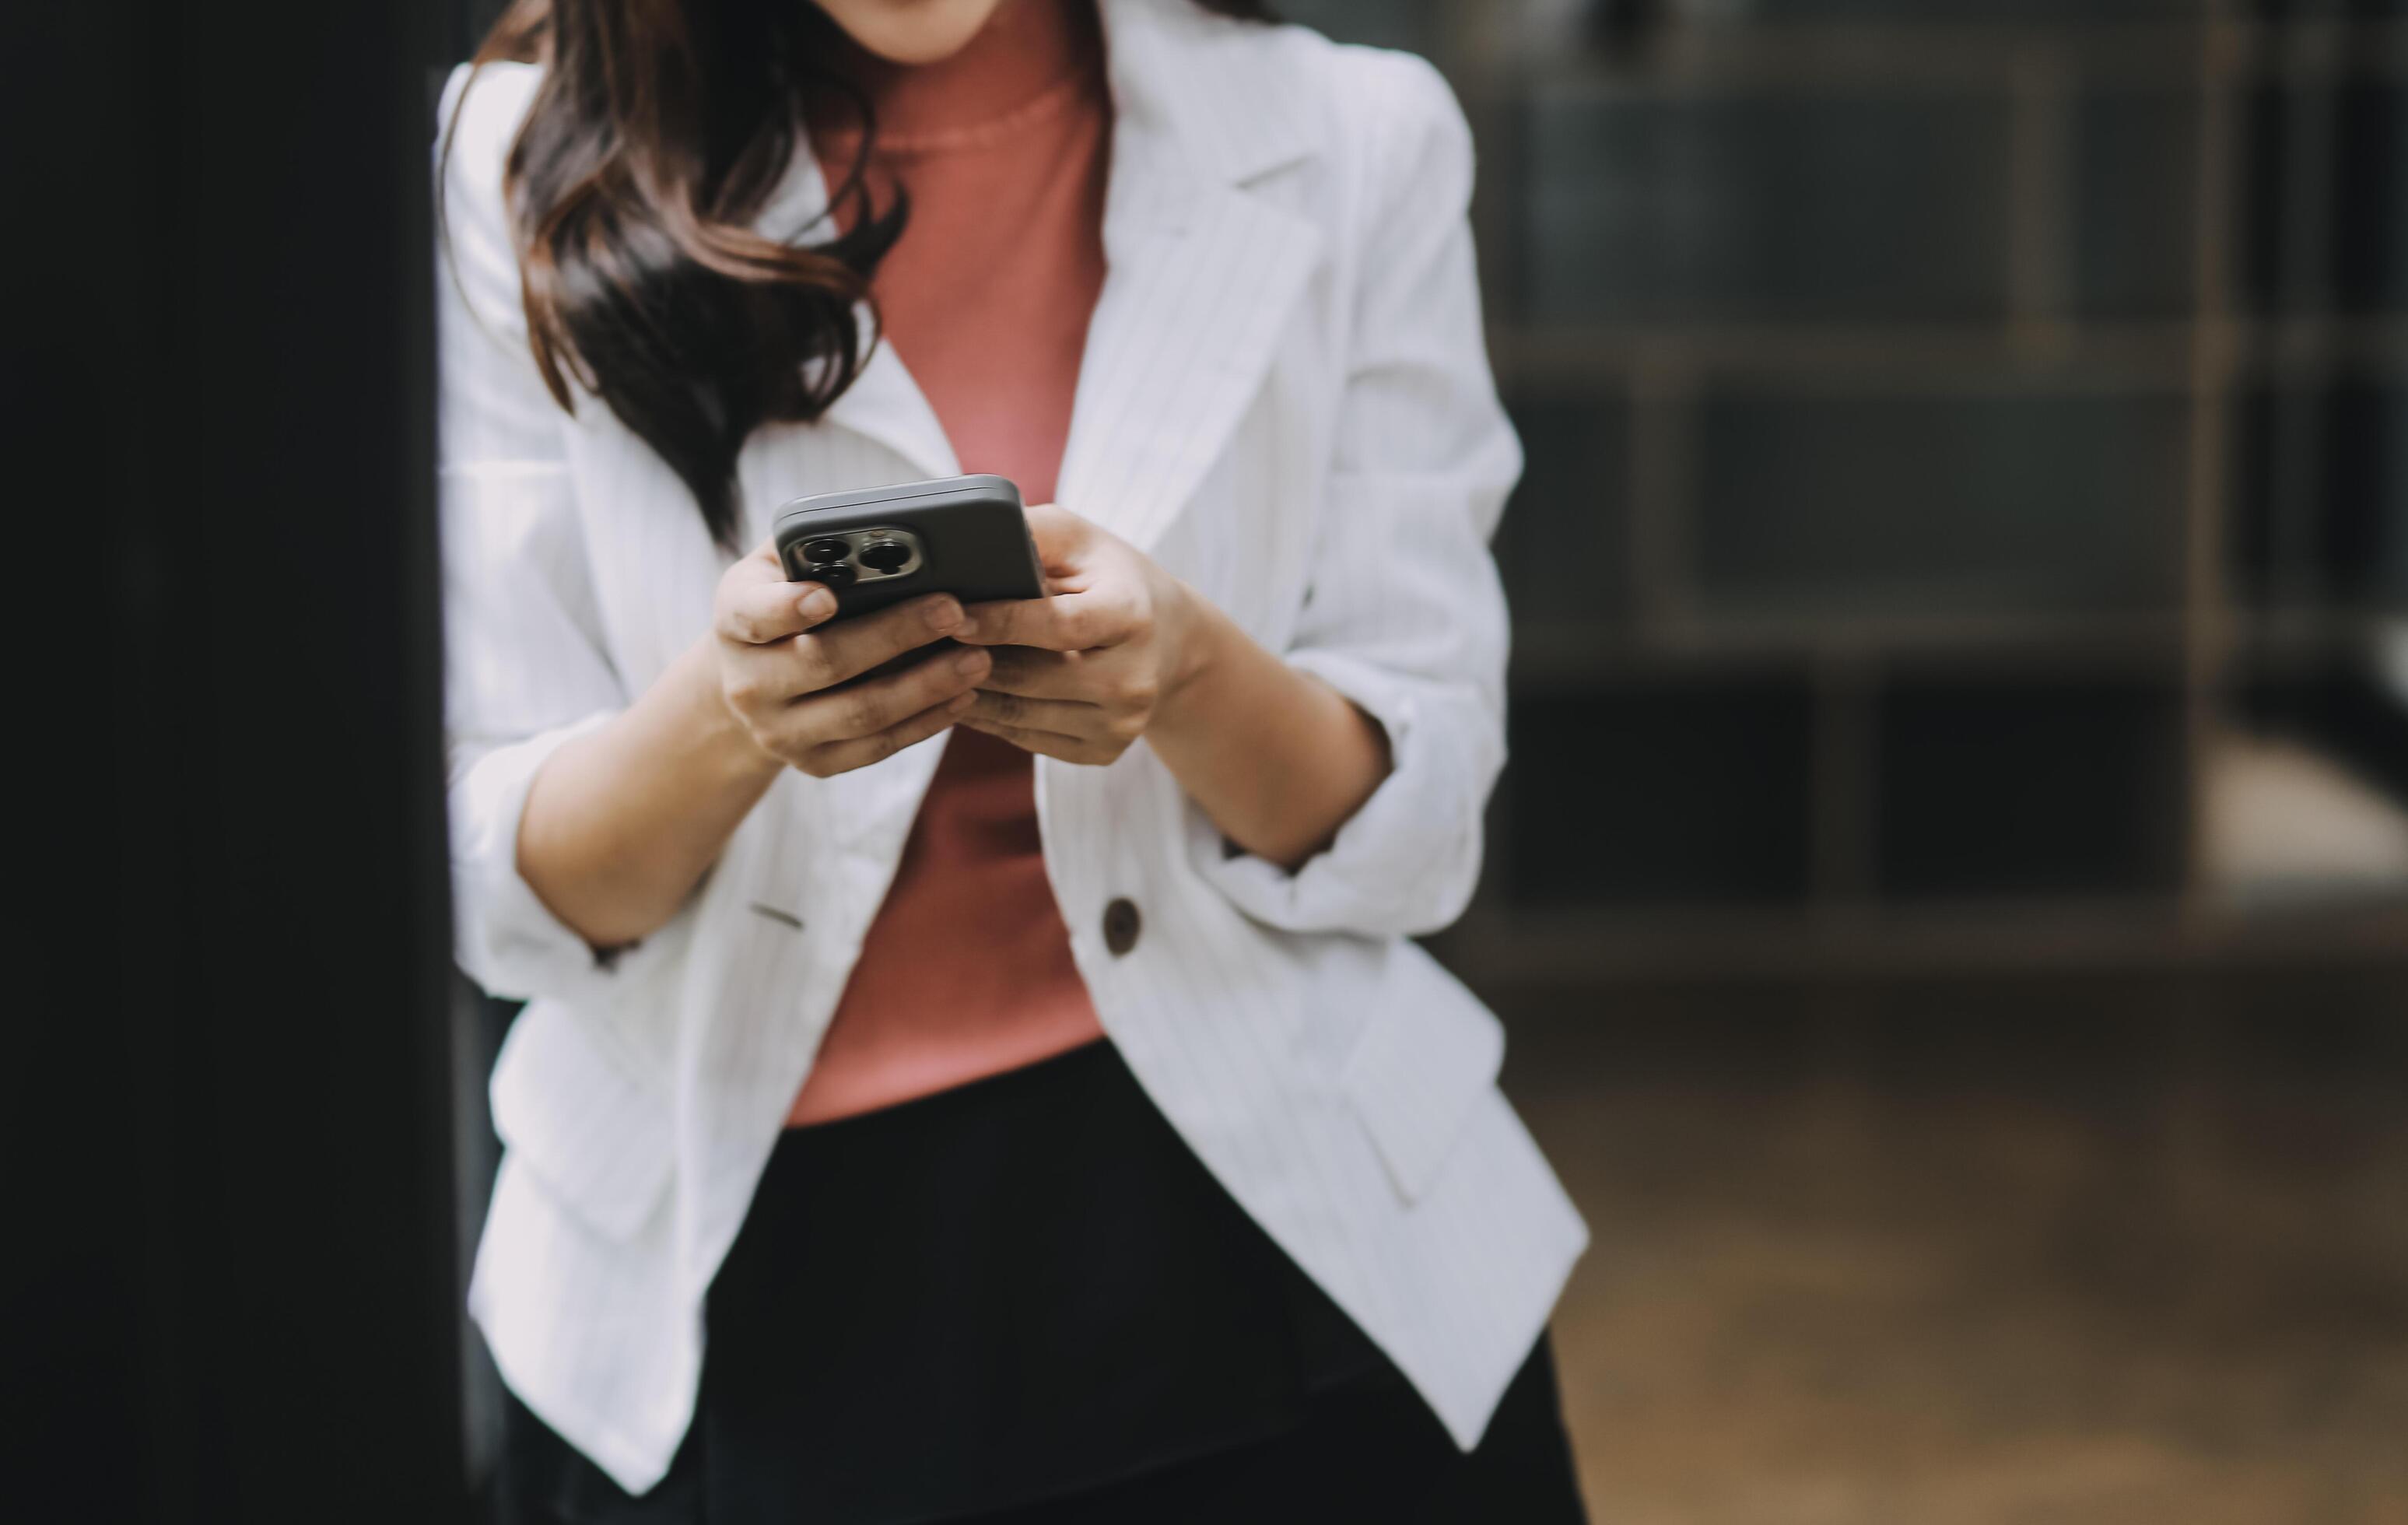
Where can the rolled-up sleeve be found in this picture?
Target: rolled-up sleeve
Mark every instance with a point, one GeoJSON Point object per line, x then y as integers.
{"type": "Point", "coordinates": [1403, 611]}
{"type": "Point", "coordinates": [523, 658]}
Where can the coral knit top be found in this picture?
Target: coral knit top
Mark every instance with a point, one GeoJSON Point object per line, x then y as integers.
{"type": "Point", "coordinates": [1002, 150]}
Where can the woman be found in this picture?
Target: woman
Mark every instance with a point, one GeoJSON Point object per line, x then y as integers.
{"type": "Point", "coordinates": [1053, 1121]}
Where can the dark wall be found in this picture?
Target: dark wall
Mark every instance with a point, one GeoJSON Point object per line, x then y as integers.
{"type": "Point", "coordinates": [230, 1285]}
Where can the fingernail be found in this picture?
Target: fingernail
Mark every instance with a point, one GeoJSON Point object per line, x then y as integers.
{"type": "Point", "coordinates": [943, 614]}
{"type": "Point", "coordinates": [970, 664]}
{"type": "Point", "coordinates": [818, 604]}
{"type": "Point", "coordinates": [962, 701]}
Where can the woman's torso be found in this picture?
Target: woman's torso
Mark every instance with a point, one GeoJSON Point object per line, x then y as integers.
{"type": "Point", "coordinates": [1002, 149]}
{"type": "Point", "coordinates": [1339, 1084]}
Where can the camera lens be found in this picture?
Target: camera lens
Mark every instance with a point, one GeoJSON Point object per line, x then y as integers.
{"type": "Point", "coordinates": [825, 551]}
{"type": "Point", "coordinates": [833, 574]}
{"type": "Point", "coordinates": [886, 555]}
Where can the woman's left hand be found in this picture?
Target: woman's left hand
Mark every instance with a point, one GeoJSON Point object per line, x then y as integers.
{"type": "Point", "coordinates": [1081, 674]}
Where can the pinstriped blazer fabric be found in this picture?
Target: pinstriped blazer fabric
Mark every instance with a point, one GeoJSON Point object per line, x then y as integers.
{"type": "Point", "coordinates": [1285, 400]}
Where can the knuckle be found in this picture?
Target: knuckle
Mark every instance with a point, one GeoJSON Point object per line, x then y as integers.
{"type": "Point", "coordinates": [874, 710]}
{"type": "Point", "coordinates": [904, 626]}
{"type": "Point", "coordinates": [1138, 691]}
{"type": "Point", "coordinates": [789, 743]}
{"type": "Point", "coordinates": [814, 666]}
{"type": "Point", "coordinates": [744, 691]}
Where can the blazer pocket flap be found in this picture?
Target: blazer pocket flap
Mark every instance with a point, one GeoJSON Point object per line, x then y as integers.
{"type": "Point", "coordinates": [592, 1131]}
{"type": "Point", "coordinates": [1415, 1074]}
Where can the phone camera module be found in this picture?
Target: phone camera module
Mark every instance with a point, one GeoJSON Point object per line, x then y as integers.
{"type": "Point", "coordinates": [833, 574]}
{"type": "Point", "coordinates": [886, 555]}
{"type": "Point", "coordinates": [822, 551]}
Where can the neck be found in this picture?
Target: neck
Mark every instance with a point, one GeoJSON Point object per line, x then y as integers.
{"type": "Point", "coordinates": [1026, 51]}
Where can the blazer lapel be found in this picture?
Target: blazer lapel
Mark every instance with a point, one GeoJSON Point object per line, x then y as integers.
{"type": "Point", "coordinates": [886, 405]}
{"type": "Point", "coordinates": [883, 404]}
{"type": "Point", "coordinates": [1201, 273]}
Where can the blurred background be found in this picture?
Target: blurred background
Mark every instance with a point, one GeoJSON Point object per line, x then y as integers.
{"type": "Point", "coordinates": [1949, 898]}
{"type": "Point", "coordinates": [1947, 892]}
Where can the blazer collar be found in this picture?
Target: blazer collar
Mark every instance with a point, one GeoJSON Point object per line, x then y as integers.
{"type": "Point", "coordinates": [1202, 269]}
{"type": "Point", "coordinates": [1192, 84]}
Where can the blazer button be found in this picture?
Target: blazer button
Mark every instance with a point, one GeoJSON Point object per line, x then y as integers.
{"type": "Point", "coordinates": [1120, 925]}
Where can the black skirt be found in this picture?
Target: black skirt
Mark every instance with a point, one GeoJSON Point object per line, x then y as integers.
{"type": "Point", "coordinates": [1025, 1300]}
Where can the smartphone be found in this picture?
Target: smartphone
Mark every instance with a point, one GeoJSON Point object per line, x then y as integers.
{"type": "Point", "coordinates": [966, 535]}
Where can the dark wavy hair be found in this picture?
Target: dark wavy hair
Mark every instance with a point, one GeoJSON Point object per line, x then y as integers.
{"type": "Point", "coordinates": [655, 139]}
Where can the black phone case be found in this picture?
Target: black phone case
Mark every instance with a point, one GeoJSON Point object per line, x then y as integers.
{"type": "Point", "coordinates": [973, 538]}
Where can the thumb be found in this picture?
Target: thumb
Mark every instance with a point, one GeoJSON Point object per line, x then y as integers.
{"type": "Point", "coordinates": [760, 565]}
{"type": "Point", "coordinates": [1058, 532]}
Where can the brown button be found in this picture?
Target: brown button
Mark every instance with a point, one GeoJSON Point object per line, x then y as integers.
{"type": "Point", "coordinates": [1120, 925]}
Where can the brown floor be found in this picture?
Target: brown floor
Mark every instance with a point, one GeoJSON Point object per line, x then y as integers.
{"type": "Point", "coordinates": [2117, 1250]}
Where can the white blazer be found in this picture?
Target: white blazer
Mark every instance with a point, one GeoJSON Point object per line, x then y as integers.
{"type": "Point", "coordinates": [1285, 399]}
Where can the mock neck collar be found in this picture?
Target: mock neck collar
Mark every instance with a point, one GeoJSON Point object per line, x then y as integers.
{"type": "Point", "coordinates": [1172, 71]}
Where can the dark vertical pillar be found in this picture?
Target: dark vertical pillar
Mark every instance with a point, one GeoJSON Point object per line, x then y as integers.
{"type": "Point", "coordinates": [231, 1293]}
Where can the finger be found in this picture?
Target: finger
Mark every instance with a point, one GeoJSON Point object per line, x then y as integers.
{"type": "Point", "coordinates": [850, 648]}
{"type": "Point", "coordinates": [759, 565]}
{"type": "Point", "coordinates": [1047, 744]}
{"type": "Point", "coordinates": [1067, 622]}
{"type": "Point", "coordinates": [756, 603]}
{"type": "Point", "coordinates": [1057, 532]}
{"type": "Point", "coordinates": [868, 708]}
{"type": "Point", "coordinates": [1066, 717]}
{"type": "Point", "coordinates": [755, 613]}
{"type": "Point", "coordinates": [860, 752]}
{"type": "Point", "coordinates": [1042, 675]}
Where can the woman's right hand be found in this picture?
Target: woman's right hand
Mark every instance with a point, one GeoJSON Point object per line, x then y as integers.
{"type": "Point", "coordinates": [776, 664]}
